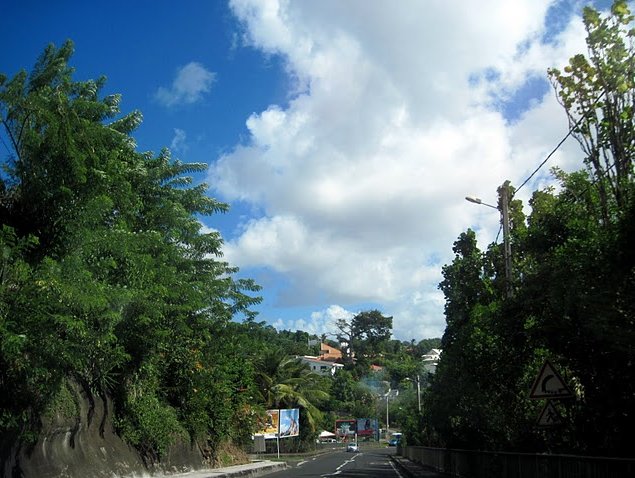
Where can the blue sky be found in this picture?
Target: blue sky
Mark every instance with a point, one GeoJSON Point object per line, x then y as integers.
{"type": "Point", "coordinates": [344, 135]}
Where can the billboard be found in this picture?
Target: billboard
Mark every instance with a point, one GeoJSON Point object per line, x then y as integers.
{"type": "Point", "coordinates": [344, 428]}
{"type": "Point", "coordinates": [272, 424]}
{"type": "Point", "coordinates": [367, 427]}
{"type": "Point", "coordinates": [289, 422]}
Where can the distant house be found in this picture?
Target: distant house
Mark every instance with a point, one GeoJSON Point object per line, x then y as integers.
{"type": "Point", "coordinates": [329, 353]}
{"type": "Point", "coordinates": [320, 366]}
{"type": "Point", "coordinates": [431, 359]}
{"type": "Point", "coordinates": [376, 368]}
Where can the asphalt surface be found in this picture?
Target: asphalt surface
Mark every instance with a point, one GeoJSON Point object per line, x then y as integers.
{"type": "Point", "coordinates": [370, 462]}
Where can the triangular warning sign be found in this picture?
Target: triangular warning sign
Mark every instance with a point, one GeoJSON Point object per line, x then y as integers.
{"type": "Point", "coordinates": [549, 384]}
{"type": "Point", "coordinates": [549, 416]}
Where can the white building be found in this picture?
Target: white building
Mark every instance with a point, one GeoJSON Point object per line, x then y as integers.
{"type": "Point", "coordinates": [321, 366]}
{"type": "Point", "coordinates": [431, 359]}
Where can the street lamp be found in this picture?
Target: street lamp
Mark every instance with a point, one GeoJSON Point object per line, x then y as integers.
{"type": "Point", "coordinates": [418, 382]}
{"type": "Point", "coordinates": [476, 200]}
{"type": "Point", "coordinates": [387, 415]}
{"type": "Point", "coordinates": [419, 394]}
{"type": "Point", "coordinates": [503, 207]}
{"type": "Point", "coordinates": [389, 393]}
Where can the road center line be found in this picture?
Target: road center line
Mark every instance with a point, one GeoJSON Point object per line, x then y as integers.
{"type": "Point", "coordinates": [345, 463]}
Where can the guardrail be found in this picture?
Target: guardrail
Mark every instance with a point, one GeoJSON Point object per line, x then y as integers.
{"type": "Point", "coordinates": [483, 464]}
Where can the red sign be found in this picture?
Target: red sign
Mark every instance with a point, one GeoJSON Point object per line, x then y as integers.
{"type": "Point", "coordinates": [345, 428]}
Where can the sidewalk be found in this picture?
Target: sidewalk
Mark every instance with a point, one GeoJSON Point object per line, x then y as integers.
{"type": "Point", "coordinates": [410, 469]}
{"type": "Point", "coordinates": [255, 468]}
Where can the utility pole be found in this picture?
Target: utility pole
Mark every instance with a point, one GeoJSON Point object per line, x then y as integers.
{"type": "Point", "coordinates": [503, 201]}
{"type": "Point", "coordinates": [387, 416]}
{"type": "Point", "coordinates": [503, 208]}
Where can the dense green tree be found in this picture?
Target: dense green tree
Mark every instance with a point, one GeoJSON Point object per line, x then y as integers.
{"type": "Point", "coordinates": [350, 397]}
{"type": "Point", "coordinates": [402, 366]}
{"type": "Point", "coordinates": [597, 92]}
{"type": "Point", "coordinates": [573, 299]}
{"type": "Point", "coordinates": [364, 337]}
{"type": "Point", "coordinates": [371, 330]}
{"type": "Point", "coordinates": [109, 279]}
{"type": "Point", "coordinates": [463, 285]}
{"type": "Point", "coordinates": [295, 343]}
{"type": "Point", "coordinates": [458, 414]}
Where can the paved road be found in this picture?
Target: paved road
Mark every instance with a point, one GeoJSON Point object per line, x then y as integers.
{"type": "Point", "coordinates": [371, 463]}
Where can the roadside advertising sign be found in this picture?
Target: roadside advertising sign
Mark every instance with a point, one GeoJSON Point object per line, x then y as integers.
{"type": "Point", "coordinates": [289, 422]}
{"type": "Point", "coordinates": [366, 427]}
{"type": "Point", "coordinates": [344, 428]}
{"type": "Point", "coordinates": [271, 425]}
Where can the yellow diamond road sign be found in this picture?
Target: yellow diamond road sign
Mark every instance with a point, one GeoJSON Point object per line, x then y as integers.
{"type": "Point", "coordinates": [549, 384]}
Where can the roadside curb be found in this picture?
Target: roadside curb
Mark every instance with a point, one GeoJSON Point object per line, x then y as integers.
{"type": "Point", "coordinates": [264, 468]}
{"type": "Point", "coordinates": [414, 470]}
{"type": "Point", "coordinates": [253, 469]}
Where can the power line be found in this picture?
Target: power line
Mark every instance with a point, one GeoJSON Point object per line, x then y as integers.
{"type": "Point", "coordinates": [550, 154]}
{"type": "Point", "coordinates": [500, 228]}
{"type": "Point", "coordinates": [569, 133]}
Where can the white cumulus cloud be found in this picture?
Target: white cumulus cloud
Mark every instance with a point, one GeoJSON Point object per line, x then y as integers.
{"type": "Point", "coordinates": [192, 81]}
{"type": "Point", "coordinates": [391, 122]}
{"type": "Point", "coordinates": [320, 322]}
{"type": "Point", "coordinates": [178, 143]}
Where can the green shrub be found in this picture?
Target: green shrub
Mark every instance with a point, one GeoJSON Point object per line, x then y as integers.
{"type": "Point", "coordinates": [149, 425]}
{"type": "Point", "coordinates": [64, 404]}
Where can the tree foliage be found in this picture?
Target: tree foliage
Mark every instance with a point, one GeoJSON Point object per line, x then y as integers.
{"type": "Point", "coordinates": [364, 337]}
{"type": "Point", "coordinates": [573, 283]}
{"type": "Point", "coordinates": [597, 93]}
{"type": "Point", "coordinates": [107, 276]}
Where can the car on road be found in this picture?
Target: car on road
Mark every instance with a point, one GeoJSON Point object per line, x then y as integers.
{"type": "Point", "coordinates": [393, 442]}
{"type": "Point", "coordinates": [352, 447]}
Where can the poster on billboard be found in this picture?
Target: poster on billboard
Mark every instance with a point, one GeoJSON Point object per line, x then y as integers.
{"type": "Point", "coordinates": [289, 422]}
{"type": "Point", "coordinates": [272, 424]}
{"type": "Point", "coordinates": [366, 427]}
{"type": "Point", "coordinates": [345, 428]}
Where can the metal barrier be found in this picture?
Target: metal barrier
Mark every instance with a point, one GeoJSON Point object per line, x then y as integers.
{"type": "Point", "coordinates": [483, 464]}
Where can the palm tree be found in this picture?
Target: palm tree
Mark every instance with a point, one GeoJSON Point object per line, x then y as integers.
{"type": "Point", "coordinates": [286, 382]}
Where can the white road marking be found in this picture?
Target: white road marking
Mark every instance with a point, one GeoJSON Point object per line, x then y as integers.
{"type": "Point", "coordinates": [395, 468]}
{"type": "Point", "coordinates": [338, 470]}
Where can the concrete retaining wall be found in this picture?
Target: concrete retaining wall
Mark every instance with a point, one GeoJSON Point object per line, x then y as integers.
{"type": "Point", "coordinates": [85, 445]}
